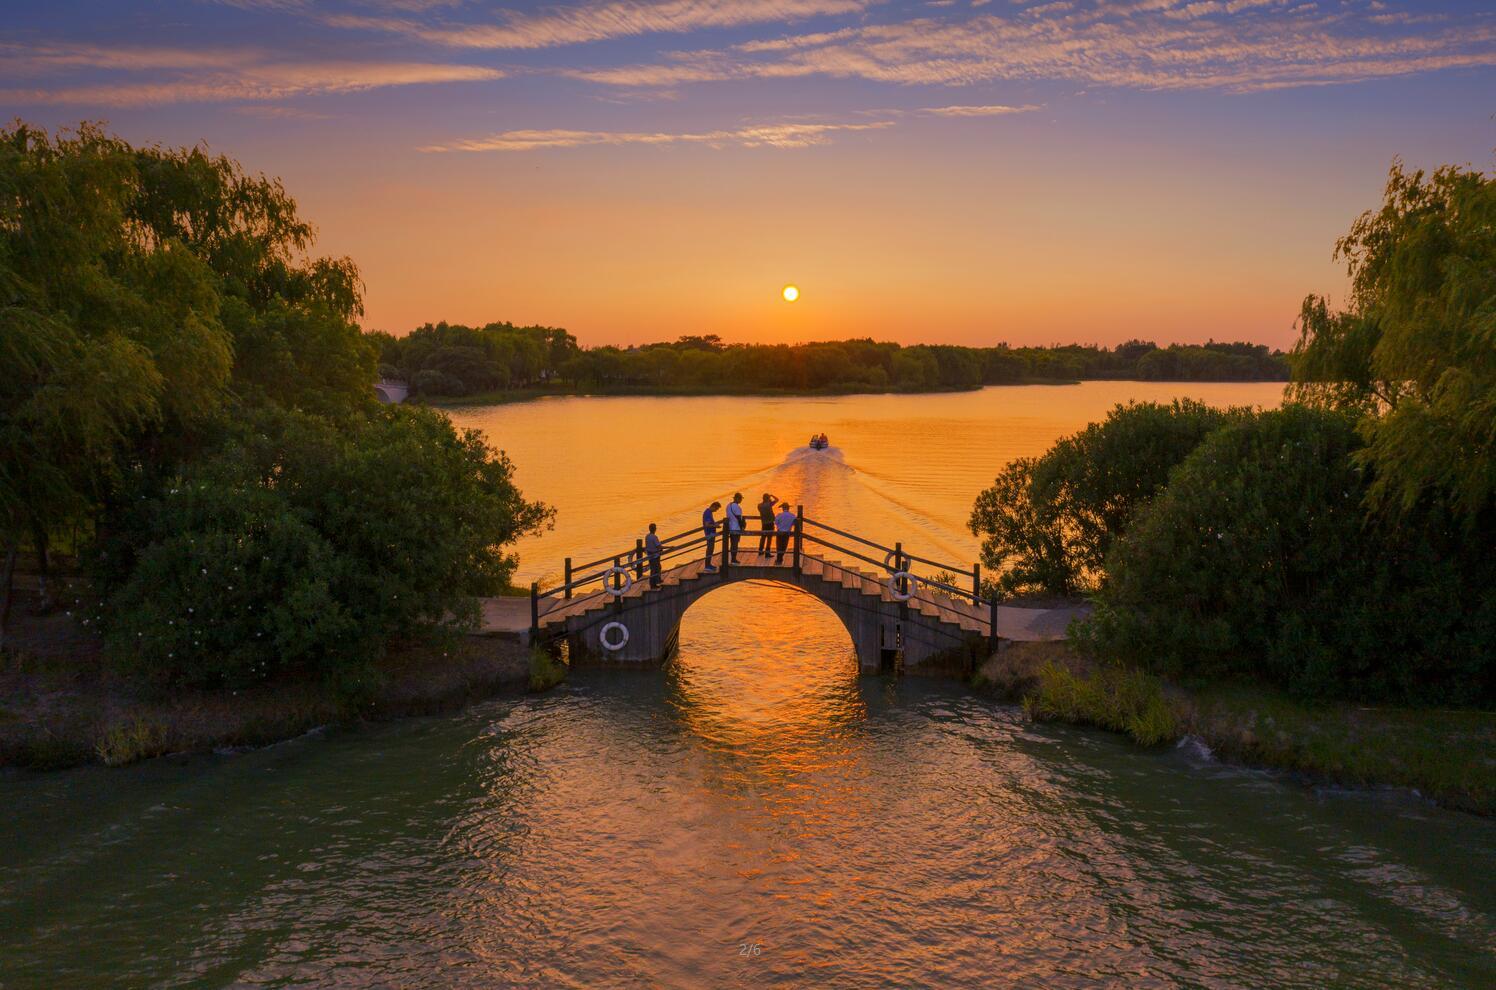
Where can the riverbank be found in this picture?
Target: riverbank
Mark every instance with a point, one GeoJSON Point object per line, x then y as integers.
{"type": "Point", "coordinates": [62, 705]}
{"type": "Point", "coordinates": [506, 396]}
{"type": "Point", "coordinates": [499, 397]}
{"type": "Point", "coordinates": [1443, 755]}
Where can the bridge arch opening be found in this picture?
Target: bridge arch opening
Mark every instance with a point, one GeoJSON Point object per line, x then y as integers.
{"type": "Point", "coordinates": [763, 664]}
{"type": "Point", "coordinates": [767, 623]}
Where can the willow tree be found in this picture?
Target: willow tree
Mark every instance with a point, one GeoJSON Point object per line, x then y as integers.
{"type": "Point", "coordinates": [1414, 352]}
{"type": "Point", "coordinates": [103, 332]}
{"type": "Point", "coordinates": [176, 367]}
{"type": "Point", "coordinates": [143, 291]}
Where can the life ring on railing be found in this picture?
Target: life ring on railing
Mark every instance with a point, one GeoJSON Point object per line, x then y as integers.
{"type": "Point", "coordinates": [608, 644]}
{"type": "Point", "coordinates": [893, 585]}
{"type": "Point", "coordinates": [628, 581]}
{"type": "Point", "coordinates": [888, 561]}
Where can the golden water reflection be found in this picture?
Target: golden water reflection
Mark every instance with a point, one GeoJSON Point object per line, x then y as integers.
{"type": "Point", "coordinates": [900, 467]}
{"type": "Point", "coordinates": [766, 683]}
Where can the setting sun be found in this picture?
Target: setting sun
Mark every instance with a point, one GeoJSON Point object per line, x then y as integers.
{"type": "Point", "coordinates": [791, 293]}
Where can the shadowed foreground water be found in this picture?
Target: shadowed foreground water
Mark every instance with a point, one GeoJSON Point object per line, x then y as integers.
{"type": "Point", "coordinates": [651, 829]}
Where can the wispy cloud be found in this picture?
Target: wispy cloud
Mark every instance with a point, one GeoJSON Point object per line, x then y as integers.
{"type": "Point", "coordinates": [208, 75]}
{"type": "Point", "coordinates": [1232, 45]}
{"type": "Point", "coordinates": [596, 22]}
{"type": "Point", "coordinates": [995, 110]}
{"type": "Point", "coordinates": [791, 135]}
{"type": "Point", "coordinates": [784, 134]}
{"type": "Point", "coordinates": [1238, 45]}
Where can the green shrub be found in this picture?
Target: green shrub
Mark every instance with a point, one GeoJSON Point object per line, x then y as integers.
{"type": "Point", "coordinates": [1047, 524]}
{"type": "Point", "coordinates": [305, 544]}
{"type": "Point", "coordinates": [1258, 563]}
{"type": "Point", "coordinates": [1122, 699]}
{"type": "Point", "coordinates": [1021, 543]}
{"type": "Point", "coordinates": [545, 670]}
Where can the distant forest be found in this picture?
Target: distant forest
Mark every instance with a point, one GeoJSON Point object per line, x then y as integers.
{"type": "Point", "coordinates": [450, 360]}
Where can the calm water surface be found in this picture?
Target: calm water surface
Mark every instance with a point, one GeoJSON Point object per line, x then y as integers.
{"type": "Point", "coordinates": [901, 467]}
{"type": "Point", "coordinates": [753, 814]}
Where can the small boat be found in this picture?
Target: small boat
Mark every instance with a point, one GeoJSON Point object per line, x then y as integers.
{"type": "Point", "coordinates": [819, 442]}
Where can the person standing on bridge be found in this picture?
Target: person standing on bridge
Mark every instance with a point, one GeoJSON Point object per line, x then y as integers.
{"type": "Point", "coordinates": [709, 530]}
{"type": "Point", "coordinates": [765, 524]}
{"type": "Point", "coordinates": [652, 551]}
{"type": "Point", "coordinates": [734, 526]}
{"type": "Point", "coordinates": [784, 525]}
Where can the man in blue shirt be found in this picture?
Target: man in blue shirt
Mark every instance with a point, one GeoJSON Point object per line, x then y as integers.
{"type": "Point", "coordinates": [709, 529]}
{"type": "Point", "coordinates": [784, 525]}
{"type": "Point", "coordinates": [652, 551]}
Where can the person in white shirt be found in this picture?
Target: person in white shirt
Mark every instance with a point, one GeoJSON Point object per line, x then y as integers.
{"type": "Point", "coordinates": [734, 526]}
{"type": "Point", "coordinates": [784, 525]}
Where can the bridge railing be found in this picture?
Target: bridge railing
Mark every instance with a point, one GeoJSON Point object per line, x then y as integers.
{"type": "Point", "coordinates": [915, 588]}
{"type": "Point", "coordinates": [609, 570]}
{"type": "Point", "coordinates": [897, 552]}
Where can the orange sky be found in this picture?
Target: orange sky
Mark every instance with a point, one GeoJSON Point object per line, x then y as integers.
{"type": "Point", "coordinates": [963, 171]}
{"type": "Point", "coordinates": [885, 237]}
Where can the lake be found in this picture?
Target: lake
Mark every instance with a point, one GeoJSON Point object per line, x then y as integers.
{"type": "Point", "coordinates": [900, 467]}
{"type": "Point", "coordinates": [755, 812]}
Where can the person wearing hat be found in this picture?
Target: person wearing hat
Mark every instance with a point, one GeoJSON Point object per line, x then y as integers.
{"type": "Point", "coordinates": [784, 524]}
{"type": "Point", "coordinates": [765, 524]}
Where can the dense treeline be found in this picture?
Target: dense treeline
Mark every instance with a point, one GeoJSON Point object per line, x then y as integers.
{"type": "Point", "coordinates": [1338, 547]}
{"type": "Point", "coordinates": [182, 384]}
{"type": "Point", "coordinates": [450, 360]}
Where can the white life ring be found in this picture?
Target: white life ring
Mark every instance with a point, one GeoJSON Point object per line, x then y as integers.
{"type": "Point", "coordinates": [893, 585]}
{"type": "Point", "coordinates": [608, 644]}
{"type": "Point", "coordinates": [628, 581]}
{"type": "Point", "coordinates": [888, 561]}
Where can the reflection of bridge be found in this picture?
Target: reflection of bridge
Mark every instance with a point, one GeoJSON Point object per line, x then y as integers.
{"type": "Point", "coordinates": [900, 609]}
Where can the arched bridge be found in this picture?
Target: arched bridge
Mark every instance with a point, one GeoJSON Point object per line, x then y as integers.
{"type": "Point", "coordinates": [901, 610]}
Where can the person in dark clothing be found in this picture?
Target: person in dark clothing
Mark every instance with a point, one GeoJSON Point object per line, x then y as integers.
{"type": "Point", "coordinates": [709, 530]}
{"type": "Point", "coordinates": [784, 526]}
{"type": "Point", "coordinates": [652, 551]}
{"type": "Point", "coordinates": [766, 524]}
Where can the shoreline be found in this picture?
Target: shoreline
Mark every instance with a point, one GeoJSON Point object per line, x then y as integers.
{"type": "Point", "coordinates": [61, 706]}
{"type": "Point", "coordinates": [502, 397]}
{"type": "Point", "coordinates": [1436, 754]}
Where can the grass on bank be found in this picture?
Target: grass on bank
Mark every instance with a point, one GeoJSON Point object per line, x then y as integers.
{"type": "Point", "coordinates": [131, 739]}
{"type": "Point", "coordinates": [66, 706]}
{"type": "Point", "coordinates": [1448, 756]}
{"type": "Point", "coordinates": [1127, 701]}
{"type": "Point", "coordinates": [546, 671]}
